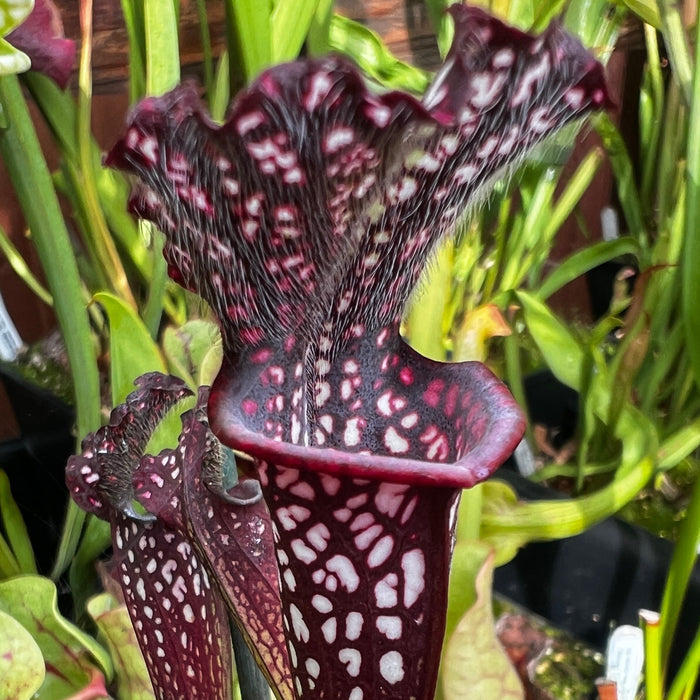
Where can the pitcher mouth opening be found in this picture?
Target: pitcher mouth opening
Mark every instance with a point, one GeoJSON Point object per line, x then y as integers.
{"type": "Point", "coordinates": [482, 445]}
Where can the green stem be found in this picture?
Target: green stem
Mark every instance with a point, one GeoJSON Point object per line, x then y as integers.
{"type": "Point", "coordinates": [162, 47]}
{"type": "Point", "coordinates": [249, 39]}
{"type": "Point", "coordinates": [162, 74]}
{"type": "Point", "coordinates": [546, 520]}
{"type": "Point", "coordinates": [684, 557]}
{"type": "Point", "coordinates": [684, 682]}
{"type": "Point", "coordinates": [133, 20]}
{"type": "Point", "coordinates": [104, 244]}
{"type": "Point", "coordinates": [22, 155]}
{"type": "Point", "coordinates": [657, 98]}
{"type": "Point", "coordinates": [678, 446]}
{"type": "Point", "coordinates": [22, 269]}
{"type": "Point", "coordinates": [205, 38]}
{"type": "Point", "coordinates": [653, 681]}
{"type": "Point", "coordinates": [678, 49]}
{"type": "Point", "coordinates": [469, 522]}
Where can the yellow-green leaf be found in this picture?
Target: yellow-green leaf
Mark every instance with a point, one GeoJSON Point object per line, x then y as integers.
{"type": "Point", "coordinates": [13, 13]}
{"type": "Point", "coordinates": [112, 619]}
{"type": "Point", "coordinates": [132, 350]}
{"type": "Point", "coordinates": [72, 656]}
{"type": "Point", "coordinates": [474, 664]}
{"type": "Point", "coordinates": [194, 352]}
{"type": "Point", "coordinates": [21, 663]}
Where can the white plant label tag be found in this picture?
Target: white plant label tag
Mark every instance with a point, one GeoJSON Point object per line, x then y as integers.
{"type": "Point", "coordinates": [10, 342]}
{"type": "Point", "coordinates": [625, 659]}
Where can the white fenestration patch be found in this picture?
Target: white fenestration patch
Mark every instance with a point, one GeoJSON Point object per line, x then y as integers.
{"type": "Point", "coordinates": [318, 537]}
{"type": "Point", "coordinates": [295, 429]}
{"type": "Point", "coordinates": [285, 519]}
{"type": "Point", "coordinates": [298, 625]}
{"type": "Point", "coordinates": [390, 626]}
{"type": "Point", "coordinates": [365, 539]}
{"type": "Point", "coordinates": [391, 667]}
{"type": "Point", "coordinates": [326, 422]}
{"type": "Point", "coordinates": [179, 589]}
{"type": "Point", "coordinates": [356, 694]}
{"type": "Point", "coordinates": [413, 565]}
{"type": "Point", "coordinates": [574, 97]}
{"type": "Point", "coordinates": [304, 490]}
{"type": "Point", "coordinates": [353, 626]}
{"type": "Point", "coordinates": [357, 501]}
{"type": "Point", "coordinates": [486, 88]}
{"type": "Point", "coordinates": [331, 484]}
{"type": "Point", "coordinates": [323, 393]}
{"type": "Point", "coordinates": [389, 498]}
{"type": "Point", "coordinates": [345, 571]}
{"type": "Point", "coordinates": [342, 514]}
{"type": "Point", "coordinates": [528, 80]}
{"type": "Point", "coordinates": [282, 557]}
{"type": "Point", "coordinates": [322, 604]}
{"type": "Point", "coordinates": [249, 122]}
{"type": "Point", "coordinates": [539, 120]}
{"type": "Point", "coordinates": [394, 442]}
{"type": "Point", "coordinates": [380, 115]}
{"type": "Point", "coordinates": [465, 173]}
{"type": "Point", "coordinates": [286, 476]}
{"type": "Point", "coordinates": [290, 580]}
{"type": "Point", "coordinates": [329, 630]}
{"type": "Point", "coordinates": [380, 552]}
{"type": "Point", "coordinates": [303, 552]}
{"type": "Point", "coordinates": [385, 592]}
{"type": "Point", "coordinates": [292, 652]}
{"type": "Point", "coordinates": [318, 90]}
{"type": "Point", "coordinates": [384, 404]}
{"type": "Point", "coordinates": [503, 58]}
{"type": "Point", "coordinates": [352, 660]}
{"type": "Point", "coordinates": [313, 668]}
{"type": "Point", "coordinates": [362, 521]}
{"type": "Point", "coordinates": [141, 589]}
{"type": "Point", "coordinates": [488, 148]}
{"type": "Point", "coordinates": [353, 435]}
{"type": "Point", "coordinates": [409, 420]}
{"type": "Point", "coordinates": [188, 613]}
{"type": "Point", "coordinates": [408, 511]}
{"type": "Point", "coordinates": [337, 138]}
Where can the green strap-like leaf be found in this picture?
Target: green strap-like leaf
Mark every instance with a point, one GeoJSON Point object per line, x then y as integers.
{"type": "Point", "coordinates": [15, 529]}
{"type": "Point", "coordinates": [290, 22]}
{"type": "Point", "coordinates": [562, 352]}
{"type": "Point", "coordinates": [132, 350]}
{"type": "Point", "coordinates": [23, 158]}
{"type": "Point", "coordinates": [367, 49]}
{"type": "Point", "coordinates": [249, 35]}
{"type": "Point", "coordinates": [584, 260]}
{"type": "Point", "coordinates": [691, 243]}
{"type": "Point", "coordinates": [162, 48]}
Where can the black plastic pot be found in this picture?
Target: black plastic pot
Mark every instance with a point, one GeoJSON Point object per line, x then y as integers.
{"type": "Point", "coordinates": [591, 583]}
{"type": "Point", "coordinates": [35, 462]}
